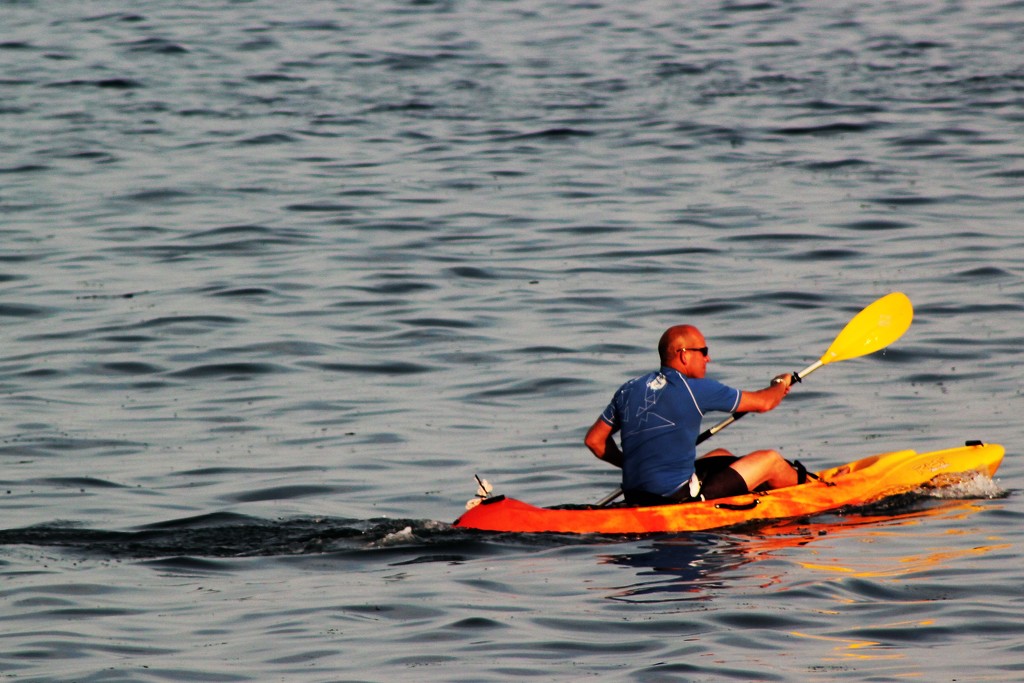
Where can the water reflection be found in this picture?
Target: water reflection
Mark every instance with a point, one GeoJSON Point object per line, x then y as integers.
{"type": "Point", "coordinates": [683, 568]}
{"type": "Point", "coordinates": [697, 566]}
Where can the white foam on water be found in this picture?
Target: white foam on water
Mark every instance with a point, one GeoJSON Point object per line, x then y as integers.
{"type": "Point", "coordinates": [969, 485]}
{"type": "Point", "coordinates": [397, 538]}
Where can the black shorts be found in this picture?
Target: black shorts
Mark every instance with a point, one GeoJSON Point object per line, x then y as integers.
{"type": "Point", "coordinates": [718, 480]}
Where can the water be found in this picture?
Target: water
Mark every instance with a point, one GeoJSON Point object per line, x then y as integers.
{"type": "Point", "coordinates": [277, 281]}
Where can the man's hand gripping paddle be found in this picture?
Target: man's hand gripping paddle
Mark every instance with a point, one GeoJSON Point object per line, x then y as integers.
{"type": "Point", "coordinates": [873, 329]}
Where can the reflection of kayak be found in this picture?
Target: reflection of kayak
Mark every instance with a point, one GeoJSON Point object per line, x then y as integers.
{"type": "Point", "coordinates": [857, 483]}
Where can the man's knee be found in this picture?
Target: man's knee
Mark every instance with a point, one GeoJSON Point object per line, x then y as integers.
{"type": "Point", "coordinates": [758, 462]}
{"type": "Point", "coordinates": [763, 466]}
{"type": "Point", "coordinates": [767, 454]}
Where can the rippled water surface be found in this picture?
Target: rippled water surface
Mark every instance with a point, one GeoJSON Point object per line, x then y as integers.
{"type": "Point", "coordinates": [276, 281]}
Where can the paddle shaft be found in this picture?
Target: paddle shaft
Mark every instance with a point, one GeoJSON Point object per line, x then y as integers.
{"type": "Point", "coordinates": [708, 433]}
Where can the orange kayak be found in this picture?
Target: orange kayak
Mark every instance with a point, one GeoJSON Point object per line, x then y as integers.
{"type": "Point", "coordinates": [857, 483]}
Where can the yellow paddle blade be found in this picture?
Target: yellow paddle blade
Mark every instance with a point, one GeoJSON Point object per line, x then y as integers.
{"type": "Point", "coordinates": [874, 328]}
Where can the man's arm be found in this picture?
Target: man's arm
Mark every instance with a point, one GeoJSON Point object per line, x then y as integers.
{"type": "Point", "coordinates": [600, 442]}
{"type": "Point", "coordinates": [764, 400]}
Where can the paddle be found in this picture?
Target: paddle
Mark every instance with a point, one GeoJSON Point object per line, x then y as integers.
{"type": "Point", "coordinates": [874, 328]}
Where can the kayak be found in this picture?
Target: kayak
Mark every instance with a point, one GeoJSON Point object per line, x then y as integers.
{"type": "Point", "coordinates": [857, 483]}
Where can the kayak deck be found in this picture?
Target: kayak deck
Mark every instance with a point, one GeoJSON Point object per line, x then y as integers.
{"type": "Point", "coordinates": [857, 483]}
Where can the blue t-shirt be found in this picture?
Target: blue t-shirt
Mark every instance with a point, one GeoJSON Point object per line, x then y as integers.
{"type": "Point", "coordinates": [659, 415]}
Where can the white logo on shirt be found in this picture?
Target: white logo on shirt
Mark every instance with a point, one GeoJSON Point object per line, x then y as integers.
{"type": "Point", "coordinates": [657, 383]}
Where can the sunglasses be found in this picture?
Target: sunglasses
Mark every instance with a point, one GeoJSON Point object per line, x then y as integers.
{"type": "Point", "coordinates": [703, 350]}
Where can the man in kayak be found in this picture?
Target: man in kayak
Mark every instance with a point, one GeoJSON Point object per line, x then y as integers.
{"type": "Point", "coordinates": [659, 416]}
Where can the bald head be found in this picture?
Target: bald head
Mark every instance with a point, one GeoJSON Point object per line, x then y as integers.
{"type": "Point", "coordinates": [678, 337]}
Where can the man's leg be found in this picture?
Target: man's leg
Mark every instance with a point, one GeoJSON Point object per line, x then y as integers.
{"type": "Point", "coordinates": [765, 467]}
